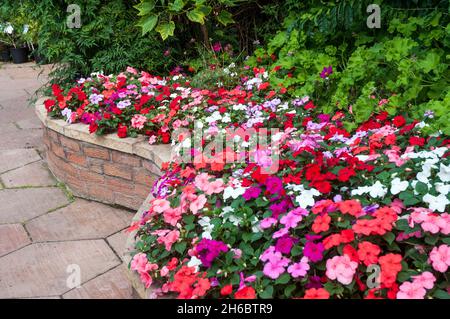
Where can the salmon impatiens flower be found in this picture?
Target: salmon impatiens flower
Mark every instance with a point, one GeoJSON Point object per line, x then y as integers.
{"type": "Point", "coordinates": [316, 293]}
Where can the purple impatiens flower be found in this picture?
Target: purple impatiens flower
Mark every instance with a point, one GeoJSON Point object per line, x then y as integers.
{"type": "Point", "coordinates": [326, 72]}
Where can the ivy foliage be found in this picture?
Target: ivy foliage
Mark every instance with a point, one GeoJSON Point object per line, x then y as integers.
{"type": "Point", "coordinates": [406, 60]}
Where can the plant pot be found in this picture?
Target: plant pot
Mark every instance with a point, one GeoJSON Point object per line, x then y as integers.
{"type": "Point", "coordinates": [19, 55]}
{"type": "Point", "coordinates": [4, 55]}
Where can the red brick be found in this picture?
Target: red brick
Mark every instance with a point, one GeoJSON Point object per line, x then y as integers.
{"type": "Point", "coordinates": [76, 159]}
{"type": "Point", "coordinates": [58, 150]}
{"type": "Point", "coordinates": [128, 201]}
{"type": "Point", "coordinates": [142, 191]}
{"type": "Point", "coordinates": [96, 165]}
{"type": "Point", "coordinates": [70, 143]}
{"type": "Point", "coordinates": [120, 185]}
{"type": "Point", "coordinates": [101, 193]}
{"type": "Point", "coordinates": [54, 136]}
{"type": "Point", "coordinates": [66, 168]}
{"type": "Point", "coordinates": [123, 158]}
{"type": "Point", "coordinates": [143, 176]}
{"type": "Point", "coordinates": [96, 152]}
{"type": "Point", "coordinates": [91, 177]}
{"type": "Point", "coordinates": [118, 170]}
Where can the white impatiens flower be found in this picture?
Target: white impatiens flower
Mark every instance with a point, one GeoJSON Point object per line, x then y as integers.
{"type": "Point", "coordinates": [233, 192]}
{"type": "Point", "coordinates": [442, 188]}
{"type": "Point", "coordinates": [306, 197]}
{"type": "Point", "coordinates": [378, 190]}
{"type": "Point", "coordinates": [436, 203]}
{"type": "Point", "coordinates": [398, 186]}
{"type": "Point", "coordinates": [444, 173]}
{"type": "Point", "coordinates": [205, 223]}
{"type": "Point", "coordinates": [194, 262]}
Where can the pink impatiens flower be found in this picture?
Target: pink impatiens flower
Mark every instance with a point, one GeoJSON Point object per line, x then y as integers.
{"type": "Point", "coordinates": [440, 258]}
{"type": "Point", "coordinates": [425, 279]}
{"type": "Point", "coordinates": [299, 269]}
{"type": "Point", "coordinates": [411, 290]}
{"type": "Point", "coordinates": [172, 216]}
{"type": "Point", "coordinates": [341, 268]}
{"type": "Point", "coordinates": [169, 239]}
{"type": "Point", "coordinates": [160, 205]}
{"type": "Point", "coordinates": [138, 121]}
{"type": "Point", "coordinates": [198, 204]}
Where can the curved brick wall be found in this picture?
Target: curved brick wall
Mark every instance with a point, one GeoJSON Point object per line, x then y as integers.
{"type": "Point", "coordinates": [106, 169]}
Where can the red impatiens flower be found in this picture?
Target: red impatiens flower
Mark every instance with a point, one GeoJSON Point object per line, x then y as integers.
{"type": "Point", "coordinates": [399, 121]}
{"type": "Point", "coordinates": [345, 174]}
{"type": "Point", "coordinates": [368, 253]}
{"type": "Point", "coordinates": [351, 207]}
{"type": "Point", "coordinates": [226, 290]}
{"type": "Point", "coordinates": [316, 293]}
{"type": "Point", "coordinates": [416, 140]}
{"type": "Point", "coordinates": [122, 131]}
{"type": "Point", "coordinates": [245, 293]}
{"type": "Point", "coordinates": [321, 223]}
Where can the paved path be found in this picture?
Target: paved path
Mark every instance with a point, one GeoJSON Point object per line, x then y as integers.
{"type": "Point", "coordinates": [47, 237]}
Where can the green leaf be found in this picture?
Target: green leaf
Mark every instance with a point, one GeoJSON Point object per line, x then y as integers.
{"type": "Point", "coordinates": [148, 23]}
{"type": "Point", "coordinates": [177, 5]}
{"type": "Point", "coordinates": [431, 240]}
{"type": "Point", "coordinates": [196, 15]}
{"type": "Point", "coordinates": [421, 188]}
{"type": "Point", "coordinates": [389, 237]}
{"type": "Point", "coordinates": [166, 29]}
{"type": "Point", "coordinates": [283, 279]}
{"type": "Point", "coordinates": [288, 290]}
{"type": "Point", "coordinates": [267, 293]}
{"type": "Point", "coordinates": [441, 294]}
{"type": "Point", "coordinates": [225, 17]}
{"type": "Point", "coordinates": [180, 247]}
{"type": "Point", "coordinates": [145, 7]}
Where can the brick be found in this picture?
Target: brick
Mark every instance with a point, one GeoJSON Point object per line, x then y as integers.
{"type": "Point", "coordinates": [67, 168]}
{"type": "Point", "coordinates": [142, 191]}
{"type": "Point", "coordinates": [70, 143]}
{"type": "Point", "coordinates": [151, 167]}
{"type": "Point", "coordinates": [127, 201]}
{"type": "Point", "coordinates": [76, 159]}
{"type": "Point", "coordinates": [58, 150]}
{"type": "Point", "coordinates": [123, 158]}
{"type": "Point", "coordinates": [143, 176]}
{"type": "Point", "coordinates": [100, 193]}
{"type": "Point", "coordinates": [120, 185]}
{"type": "Point", "coordinates": [118, 170]}
{"type": "Point", "coordinates": [91, 177]}
{"type": "Point", "coordinates": [96, 152]}
{"type": "Point", "coordinates": [96, 165]}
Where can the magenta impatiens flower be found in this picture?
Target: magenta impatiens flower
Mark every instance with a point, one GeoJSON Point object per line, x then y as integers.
{"type": "Point", "coordinates": [284, 244]}
{"type": "Point", "coordinates": [326, 72]}
{"type": "Point", "coordinates": [252, 192]}
{"type": "Point", "coordinates": [274, 185]}
{"type": "Point", "coordinates": [314, 251]}
{"type": "Point", "coordinates": [209, 249]}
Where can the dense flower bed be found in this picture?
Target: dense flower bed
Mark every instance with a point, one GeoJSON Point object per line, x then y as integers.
{"type": "Point", "coordinates": [317, 212]}
{"type": "Point", "coordinates": [358, 214]}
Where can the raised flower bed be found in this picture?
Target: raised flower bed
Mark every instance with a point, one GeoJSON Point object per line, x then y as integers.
{"type": "Point", "coordinates": [317, 211]}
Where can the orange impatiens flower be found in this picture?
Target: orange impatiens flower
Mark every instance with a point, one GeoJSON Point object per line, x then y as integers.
{"type": "Point", "coordinates": [321, 224]}
{"type": "Point", "coordinates": [316, 293]}
{"type": "Point", "coordinates": [352, 207]}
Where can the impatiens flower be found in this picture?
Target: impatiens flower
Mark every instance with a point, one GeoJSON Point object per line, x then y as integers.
{"type": "Point", "coordinates": [208, 250]}
{"type": "Point", "coordinates": [172, 215]}
{"type": "Point", "coordinates": [390, 267]}
{"type": "Point", "coordinates": [440, 258]}
{"type": "Point", "coordinates": [226, 290]}
{"type": "Point", "coordinates": [368, 252]}
{"type": "Point", "coordinates": [398, 186]}
{"type": "Point", "coordinates": [321, 224]}
{"type": "Point", "coordinates": [292, 218]}
{"type": "Point", "coordinates": [284, 244]}
{"type": "Point", "coordinates": [299, 269]}
{"type": "Point", "coordinates": [160, 205]}
{"type": "Point", "coordinates": [341, 268]}
{"type": "Point", "coordinates": [436, 203]}
{"type": "Point", "coordinates": [267, 222]}
{"type": "Point", "coordinates": [138, 121]}
{"type": "Point", "coordinates": [352, 207]}
{"type": "Point", "coordinates": [198, 204]}
{"type": "Point", "coordinates": [123, 104]}
{"type": "Point", "coordinates": [251, 193]}
{"type": "Point", "coordinates": [425, 279]}
{"type": "Point", "coordinates": [169, 239]}
{"type": "Point", "coordinates": [314, 251]}
{"type": "Point", "coordinates": [274, 185]}
{"type": "Point", "coordinates": [410, 290]}
{"type": "Point", "coordinates": [245, 293]}
{"type": "Point", "coordinates": [316, 293]}
{"type": "Point", "coordinates": [326, 72]}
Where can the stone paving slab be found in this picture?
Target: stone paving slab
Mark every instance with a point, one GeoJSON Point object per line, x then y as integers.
{"type": "Point", "coordinates": [42, 269]}
{"type": "Point", "coordinates": [80, 220]}
{"type": "Point", "coordinates": [111, 285]}
{"type": "Point", "coordinates": [34, 174]}
{"type": "Point", "coordinates": [20, 205]}
{"type": "Point", "coordinates": [14, 158]}
{"type": "Point", "coordinates": [12, 237]}
{"type": "Point", "coordinates": [118, 242]}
